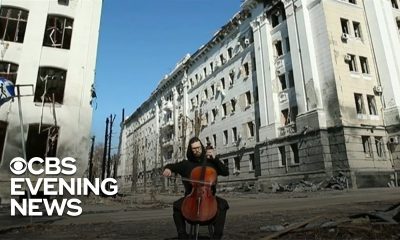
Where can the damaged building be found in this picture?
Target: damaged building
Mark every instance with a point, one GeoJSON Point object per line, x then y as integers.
{"type": "Point", "coordinates": [48, 50]}
{"type": "Point", "coordinates": [285, 91]}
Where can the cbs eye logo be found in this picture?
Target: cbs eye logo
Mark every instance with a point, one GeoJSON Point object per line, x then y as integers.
{"type": "Point", "coordinates": [18, 166]}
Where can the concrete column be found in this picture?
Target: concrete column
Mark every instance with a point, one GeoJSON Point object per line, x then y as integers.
{"type": "Point", "coordinates": [303, 56]}
{"type": "Point", "coordinates": [265, 74]}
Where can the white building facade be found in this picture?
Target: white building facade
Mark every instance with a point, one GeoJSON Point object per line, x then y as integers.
{"type": "Point", "coordinates": [49, 49]}
{"type": "Point", "coordinates": [290, 90]}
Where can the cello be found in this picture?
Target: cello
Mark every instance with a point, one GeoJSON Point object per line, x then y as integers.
{"type": "Point", "coordinates": [200, 205]}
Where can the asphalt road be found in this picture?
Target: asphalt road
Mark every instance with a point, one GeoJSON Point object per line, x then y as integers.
{"type": "Point", "coordinates": [247, 213]}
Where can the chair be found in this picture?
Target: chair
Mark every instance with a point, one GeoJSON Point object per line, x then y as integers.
{"type": "Point", "coordinates": [194, 229]}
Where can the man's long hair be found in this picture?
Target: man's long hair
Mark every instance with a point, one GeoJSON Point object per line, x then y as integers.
{"type": "Point", "coordinates": [189, 152]}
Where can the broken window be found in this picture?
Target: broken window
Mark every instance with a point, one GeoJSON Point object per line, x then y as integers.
{"type": "Point", "coordinates": [359, 103]}
{"type": "Point", "coordinates": [234, 134]}
{"type": "Point", "coordinates": [223, 83]}
{"type": "Point", "coordinates": [379, 146]}
{"type": "Point", "coordinates": [282, 153]}
{"type": "Point", "coordinates": [250, 129]}
{"type": "Point", "coordinates": [224, 110]}
{"type": "Point", "coordinates": [353, 1]}
{"type": "Point", "coordinates": [225, 137]}
{"type": "Point", "coordinates": [246, 69]}
{"type": "Point", "coordinates": [191, 83]}
{"type": "Point", "coordinates": [9, 71]}
{"type": "Point", "coordinates": [205, 71]}
{"type": "Point", "coordinates": [212, 90]}
{"type": "Point", "coordinates": [214, 113]}
{"type": "Point", "coordinates": [13, 23]}
{"type": "Point", "coordinates": [345, 25]}
{"type": "Point", "coordinates": [372, 105]}
{"type": "Point", "coordinates": [212, 66]}
{"type": "Point", "coordinates": [236, 161]}
{"type": "Point", "coordinates": [357, 29]}
{"type": "Point", "coordinates": [394, 4]}
{"type": "Point", "coordinates": [42, 141]}
{"type": "Point", "coordinates": [3, 131]}
{"type": "Point", "coordinates": [252, 165]}
{"type": "Point", "coordinates": [285, 117]}
{"type": "Point", "coordinates": [222, 58]}
{"type": "Point", "coordinates": [295, 151]}
{"type": "Point", "coordinates": [282, 81]}
{"type": "Point", "coordinates": [230, 53]}
{"type": "Point", "coordinates": [367, 145]}
{"type": "Point", "coordinates": [215, 140]}
{"type": "Point", "coordinates": [231, 77]}
{"type": "Point", "coordinates": [351, 61]}
{"type": "Point", "coordinates": [364, 65]}
{"type": "Point", "coordinates": [58, 32]}
{"type": "Point", "coordinates": [275, 18]}
{"type": "Point", "coordinates": [50, 85]}
{"type": "Point", "coordinates": [278, 48]}
{"type": "Point", "coordinates": [398, 24]}
{"type": "Point", "coordinates": [248, 98]}
{"type": "Point", "coordinates": [205, 94]}
{"type": "Point", "coordinates": [233, 104]}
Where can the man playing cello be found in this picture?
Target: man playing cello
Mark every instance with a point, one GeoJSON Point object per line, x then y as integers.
{"type": "Point", "coordinates": [197, 157]}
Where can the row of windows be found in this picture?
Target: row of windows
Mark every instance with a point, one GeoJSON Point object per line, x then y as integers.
{"type": "Point", "coordinates": [348, 31]}
{"type": "Point", "coordinates": [249, 130]}
{"type": "Point", "coordinates": [237, 164]}
{"type": "Point", "coordinates": [41, 141]}
{"type": "Point", "coordinates": [13, 22]}
{"type": "Point", "coordinates": [50, 83]}
{"type": "Point", "coordinates": [368, 142]}
{"type": "Point", "coordinates": [244, 72]}
{"type": "Point", "coordinates": [355, 66]}
{"type": "Point", "coordinates": [360, 106]}
{"type": "Point", "coordinates": [289, 153]}
{"type": "Point", "coordinates": [214, 65]}
{"type": "Point", "coordinates": [227, 108]}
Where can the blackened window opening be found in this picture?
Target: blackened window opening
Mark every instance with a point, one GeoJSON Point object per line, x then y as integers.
{"type": "Point", "coordinates": [50, 85]}
{"type": "Point", "coordinates": [3, 131]}
{"type": "Point", "coordinates": [13, 23]}
{"type": "Point", "coordinates": [42, 141]}
{"type": "Point", "coordinates": [58, 32]}
{"type": "Point", "coordinates": [9, 71]}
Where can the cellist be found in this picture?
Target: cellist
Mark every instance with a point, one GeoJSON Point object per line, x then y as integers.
{"type": "Point", "coordinates": [196, 153]}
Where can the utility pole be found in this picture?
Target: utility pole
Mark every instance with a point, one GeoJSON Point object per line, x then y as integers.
{"type": "Point", "coordinates": [119, 145]}
{"type": "Point", "coordinates": [103, 167]}
{"type": "Point", "coordinates": [91, 160]}
{"type": "Point", "coordinates": [112, 118]}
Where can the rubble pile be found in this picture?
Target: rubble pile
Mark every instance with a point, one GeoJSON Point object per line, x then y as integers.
{"type": "Point", "coordinates": [363, 225]}
{"type": "Point", "coordinates": [338, 182]}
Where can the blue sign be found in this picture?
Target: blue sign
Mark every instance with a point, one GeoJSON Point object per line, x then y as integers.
{"type": "Point", "coordinates": [6, 90]}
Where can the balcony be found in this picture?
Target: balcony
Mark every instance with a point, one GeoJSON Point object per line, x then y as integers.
{"type": "Point", "coordinates": [287, 130]}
